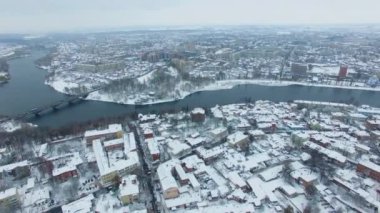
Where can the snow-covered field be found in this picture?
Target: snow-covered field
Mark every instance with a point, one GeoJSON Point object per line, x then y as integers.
{"type": "Point", "coordinates": [61, 85]}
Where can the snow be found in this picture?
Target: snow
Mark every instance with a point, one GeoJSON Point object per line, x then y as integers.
{"type": "Point", "coordinates": [235, 178]}
{"type": "Point", "coordinates": [113, 142]}
{"type": "Point", "coordinates": [228, 207]}
{"type": "Point", "coordinates": [164, 175]}
{"type": "Point", "coordinates": [146, 77]}
{"type": "Point", "coordinates": [176, 147]}
{"type": "Point", "coordinates": [112, 128]}
{"type": "Point", "coordinates": [12, 125]}
{"type": "Point", "coordinates": [236, 138]}
{"type": "Point", "coordinates": [198, 111]}
{"type": "Point", "coordinates": [195, 141]}
{"type": "Point", "coordinates": [271, 173]}
{"type": "Point", "coordinates": [217, 178]}
{"type": "Point", "coordinates": [38, 195]}
{"type": "Point", "coordinates": [218, 85]}
{"type": "Point", "coordinates": [7, 193]}
{"type": "Point", "coordinates": [71, 163]}
{"type": "Point", "coordinates": [60, 85]}
{"type": "Point", "coordinates": [333, 71]}
{"type": "Point", "coordinates": [106, 166]}
{"type": "Point", "coordinates": [184, 199]}
{"type": "Point", "coordinates": [209, 153]}
{"type": "Point", "coordinates": [370, 165]}
{"type": "Point", "coordinates": [129, 186]}
{"type": "Point", "coordinates": [109, 203]}
{"type": "Point", "coordinates": [83, 205]}
{"type": "Point", "coordinates": [12, 166]}
{"type": "Point", "coordinates": [152, 146]}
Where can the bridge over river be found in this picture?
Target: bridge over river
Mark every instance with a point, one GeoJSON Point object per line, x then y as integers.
{"type": "Point", "coordinates": [55, 106]}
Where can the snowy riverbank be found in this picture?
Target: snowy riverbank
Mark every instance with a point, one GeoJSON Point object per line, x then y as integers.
{"type": "Point", "coordinates": [13, 125]}
{"type": "Point", "coordinates": [219, 85]}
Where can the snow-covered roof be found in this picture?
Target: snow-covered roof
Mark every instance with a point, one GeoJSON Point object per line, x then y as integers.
{"type": "Point", "coordinates": [8, 193]}
{"type": "Point", "coordinates": [63, 169]}
{"type": "Point", "coordinates": [177, 147]}
{"type": "Point", "coordinates": [198, 110]}
{"type": "Point", "coordinates": [30, 182]}
{"type": "Point", "coordinates": [105, 166]}
{"type": "Point", "coordinates": [256, 185]}
{"type": "Point", "coordinates": [209, 153]}
{"type": "Point", "coordinates": [236, 179]}
{"type": "Point", "coordinates": [370, 165]}
{"type": "Point", "coordinates": [195, 141]}
{"type": "Point", "coordinates": [82, 205]}
{"type": "Point", "coordinates": [165, 176]}
{"type": "Point", "coordinates": [129, 185]}
{"type": "Point", "coordinates": [228, 207]}
{"type": "Point", "coordinates": [112, 128]}
{"type": "Point", "coordinates": [181, 173]}
{"type": "Point", "coordinates": [305, 174]}
{"type": "Point", "coordinates": [12, 166]}
{"type": "Point", "coordinates": [192, 161]}
{"type": "Point", "coordinates": [218, 131]}
{"type": "Point", "coordinates": [215, 176]}
{"type": "Point", "coordinates": [193, 181]}
{"type": "Point", "coordinates": [217, 112]}
{"type": "Point", "coordinates": [290, 190]}
{"type": "Point", "coordinates": [256, 132]}
{"type": "Point", "coordinates": [255, 159]}
{"type": "Point", "coordinates": [42, 150]}
{"type": "Point", "coordinates": [329, 153]}
{"type": "Point", "coordinates": [129, 142]}
{"type": "Point", "coordinates": [37, 195]}
{"type": "Point", "coordinates": [183, 199]}
{"type": "Point", "coordinates": [236, 138]}
{"type": "Point", "coordinates": [305, 156]}
{"type": "Point", "coordinates": [70, 164]}
{"type": "Point", "coordinates": [113, 142]}
{"type": "Point", "coordinates": [152, 146]}
{"type": "Point", "coordinates": [271, 173]}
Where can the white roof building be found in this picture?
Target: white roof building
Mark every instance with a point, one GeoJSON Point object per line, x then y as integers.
{"type": "Point", "coordinates": [177, 148]}
{"type": "Point", "coordinates": [106, 166]}
{"type": "Point", "coordinates": [70, 162]}
{"type": "Point", "coordinates": [129, 186]}
{"type": "Point", "coordinates": [8, 193]}
{"type": "Point", "coordinates": [236, 179]}
{"type": "Point", "coordinates": [165, 176]}
{"type": "Point", "coordinates": [36, 196]}
{"type": "Point", "coordinates": [12, 166]}
{"type": "Point", "coordinates": [112, 128]}
{"type": "Point", "coordinates": [237, 138]}
{"type": "Point", "coordinates": [152, 146]}
{"type": "Point", "coordinates": [83, 205]}
{"type": "Point", "coordinates": [370, 165]}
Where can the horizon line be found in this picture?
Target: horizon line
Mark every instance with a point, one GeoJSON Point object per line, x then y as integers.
{"type": "Point", "coordinates": [130, 28]}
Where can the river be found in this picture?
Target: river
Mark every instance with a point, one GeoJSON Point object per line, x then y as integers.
{"type": "Point", "coordinates": [26, 90]}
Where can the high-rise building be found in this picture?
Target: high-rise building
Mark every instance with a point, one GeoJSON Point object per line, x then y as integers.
{"type": "Point", "coordinates": [298, 70]}
{"type": "Point", "coordinates": [343, 71]}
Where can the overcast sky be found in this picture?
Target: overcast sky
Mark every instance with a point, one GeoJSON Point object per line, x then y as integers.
{"type": "Point", "coordinates": [33, 16]}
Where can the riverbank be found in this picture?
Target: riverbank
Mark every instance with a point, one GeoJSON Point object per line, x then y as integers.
{"type": "Point", "coordinates": [218, 85]}
{"type": "Point", "coordinates": [13, 125]}
{"type": "Point", "coordinates": [27, 89]}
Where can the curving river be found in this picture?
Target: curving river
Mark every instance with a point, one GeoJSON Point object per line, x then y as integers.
{"type": "Point", "coordinates": [26, 90]}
